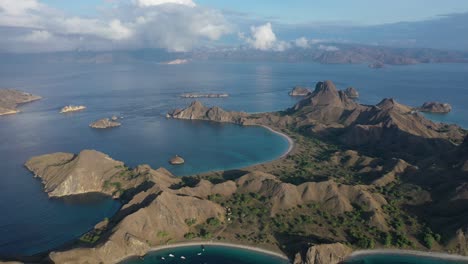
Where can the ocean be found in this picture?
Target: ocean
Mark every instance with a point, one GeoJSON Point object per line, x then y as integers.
{"type": "Point", "coordinates": [141, 93]}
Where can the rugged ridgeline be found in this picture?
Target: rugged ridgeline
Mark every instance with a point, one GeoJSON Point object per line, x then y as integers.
{"type": "Point", "coordinates": [387, 127]}
{"type": "Point", "coordinates": [165, 209]}
{"type": "Point", "coordinates": [10, 99]}
{"type": "Point", "coordinates": [352, 182]}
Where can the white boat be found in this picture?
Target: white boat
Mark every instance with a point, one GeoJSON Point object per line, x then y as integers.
{"type": "Point", "coordinates": [171, 255]}
{"type": "Point", "coordinates": [182, 257]}
{"type": "Point", "coordinates": [163, 258]}
{"type": "Point", "coordinates": [199, 254]}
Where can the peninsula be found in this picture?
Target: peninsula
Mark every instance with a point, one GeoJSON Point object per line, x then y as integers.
{"type": "Point", "coordinates": [435, 107]}
{"type": "Point", "coordinates": [72, 108]}
{"type": "Point", "coordinates": [10, 99]}
{"type": "Point", "coordinates": [359, 177]}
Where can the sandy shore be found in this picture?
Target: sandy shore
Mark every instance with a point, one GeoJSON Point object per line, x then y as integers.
{"type": "Point", "coordinates": [362, 253]}
{"type": "Point", "coordinates": [290, 141]}
{"type": "Point", "coordinates": [212, 243]}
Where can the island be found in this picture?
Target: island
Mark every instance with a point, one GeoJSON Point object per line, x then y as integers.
{"type": "Point", "coordinates": [72, 108]}
{"type": "Point", "coordinates": [300, 91]}
{"type": "Point", "coordinates": [209, 95]}
{"type": "Point", "coordinates": [105, 123]}
{"type": "Point", "coordinates": [177, 62]}
{"type": "Point", "coordinates": [435, 107]}
{"type": "Point", "coordinates": [177, 160]}
{"type": "Point", "coordinates": [358, 177]}
{"type": "Point", "coordinates": [10, 99]}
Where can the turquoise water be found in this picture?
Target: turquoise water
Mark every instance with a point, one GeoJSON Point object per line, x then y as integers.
{"type": "Point", "coordinates": [401, 259]}
{"type": "Point", "coordinates": [142, 93]}
{"type": "Point", "coordinates": [211, 255]}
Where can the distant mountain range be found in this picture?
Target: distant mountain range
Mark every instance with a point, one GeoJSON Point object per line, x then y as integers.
{"type": "Point", "coordinates": [326, 53]}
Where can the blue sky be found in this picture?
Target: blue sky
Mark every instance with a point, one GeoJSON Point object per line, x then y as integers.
{"type": "Point", "coordinates": [308, 11]}
{"type": "Point", "coordinates": [181, 25]}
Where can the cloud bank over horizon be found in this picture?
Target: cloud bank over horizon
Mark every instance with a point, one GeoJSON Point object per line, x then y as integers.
{"type": "Point", "coordinates": [181, 25]}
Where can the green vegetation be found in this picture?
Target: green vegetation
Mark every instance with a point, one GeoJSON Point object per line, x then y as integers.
{"type": "Point", "coordinates": [191, 221]}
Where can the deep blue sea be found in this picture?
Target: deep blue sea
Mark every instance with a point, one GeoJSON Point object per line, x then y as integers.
{"type": "Point", "coordinates": [142, 93]}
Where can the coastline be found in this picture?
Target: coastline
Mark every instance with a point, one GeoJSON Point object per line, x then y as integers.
{"type": "Point", "coordinates": [210, 243]}
{"type": "Point", "coordinates": [289, 139]}
{"type": "Point", "coordinates": [437, 255]}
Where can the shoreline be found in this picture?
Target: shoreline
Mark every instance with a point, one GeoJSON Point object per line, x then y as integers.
{"type": "Point", "coordinates": [289, 139]}
{"type": "Point", "coordinates": [416, 253]}
{"type": "Point", "coordinates": [209, 243]}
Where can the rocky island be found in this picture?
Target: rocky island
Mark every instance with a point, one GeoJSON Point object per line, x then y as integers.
{"type": "Point", "coordinates": [436, 107]}
{"type": "Point", "coordinates": [359, 177]}
{"type": "Point", "coordinates": [177, 160]}
{"type": "Point", "coordinates": [300, 91]}
{"type": "Point", "coordinates": [72, 108]}
{"type": "Point", "coordinates": [10, 99]}
{"type": "Point", "coordinates": [105, 123]}
{"type": "Point", "coordinates": [209, 95]}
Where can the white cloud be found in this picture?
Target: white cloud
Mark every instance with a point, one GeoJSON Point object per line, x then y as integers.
{"type": "Point", "coordinates": [143, 24]}
{"type": "Point", "coordinates": [18, 7]}
{"type": "Point", "coordinates": [144, 3]}
{"type": "Point", "coordinates": [302, 42]}
{"type": "Point", "coordinates": [263, 38]}
{"type": "Point", "coordinates": [328, 48]}
{"type": "Point", "coordinates": [37, 36]}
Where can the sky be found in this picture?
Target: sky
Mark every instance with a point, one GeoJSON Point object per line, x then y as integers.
{"type": "Point", "coordinates": [181, 25]}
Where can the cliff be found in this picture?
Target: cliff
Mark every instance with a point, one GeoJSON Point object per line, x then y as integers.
{"type": "Point", "coordinates": [10, 99]}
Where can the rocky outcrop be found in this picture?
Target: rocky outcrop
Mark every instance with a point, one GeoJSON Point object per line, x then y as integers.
{"type": "Point", "coordinates": [351, 92]}
{"type": "Point", "coordinates": [104, 123]}
{"type": "Point", "coordinates": [324, 254]}
{"type": "Point", "coordinates": [177, 160]}
{"type": "Point", "coordinates": [10, 99]}
{"type": "Point", "coordinates": [72, 108]}
{"type": "Point", "coordinates": [378, 65]}
{"type": "Point", "coordinates": [436, 107]}
{"type": "Point", "coordinates": [300, 91]}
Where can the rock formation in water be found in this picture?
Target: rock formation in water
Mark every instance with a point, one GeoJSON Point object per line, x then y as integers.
{"type": "Point", "coordinates": [177, 160]}
{"type": "Point", "coordinates": [300, 91]}
{"type": "Point", "coordinates": [105, 123]}
{"type": "Point", "coordinates": [10, 99]}
{"type": "Point", "coordinates": [197, 111]}
{"type": "Point", "coordinates": [201, 95]}
{"type": "Point", "coordinates": [324, 254]}
{"type": "Point", "coordinates": [379, 65]}
{"type": "Point", "coordinates": [436, 107]}
{"type": "Point", "coordinates": [72, 108]}
{"type": "Point", "coordinates": [351, 92]}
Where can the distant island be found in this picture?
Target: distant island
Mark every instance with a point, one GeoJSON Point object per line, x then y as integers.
{"type": "Point", "coordinates": [177, 62]}
{"type": "Point", "coordinates": [105, 123]}
{"type": "Point", "coordinates": [435, 107]}
{"type": "Point", "coordinates": [300, 91]}
{"type": "Point", "coordinates": [10, 99]}
{"type": "Point", "coordinates": [202, 95]}
{"type": "Point", "coordinates": [72, 108]}
{"type": "Point", "coordinates": [358, 177]}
